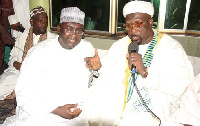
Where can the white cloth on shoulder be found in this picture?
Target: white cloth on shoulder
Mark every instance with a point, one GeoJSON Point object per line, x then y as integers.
{"type": "Point", "coordinates": [189, 110]}
{"type": "Point", "coordinates": [9, 78]}
{"type": "Point", "coordinates": [51, 76]}
{"type": "Point", "coordinates": [22, 15]}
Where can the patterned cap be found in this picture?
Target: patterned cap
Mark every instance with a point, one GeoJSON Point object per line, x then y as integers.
{"type": "Point", "coordinates": [37, 10]}
{"type": "Point", "coordinates": [138, 7]}
{"type": "Point", "coordinates": [72, 14]}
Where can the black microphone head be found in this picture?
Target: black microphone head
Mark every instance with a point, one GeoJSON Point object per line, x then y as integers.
{"type": "Point", "coordinates": [133, 47]}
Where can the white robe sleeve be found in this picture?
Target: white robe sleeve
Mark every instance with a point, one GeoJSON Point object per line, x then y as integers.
{"type": "Point", "coordinates": [31, 85]}
{"type": "Point", "coordinates": [22, 15]}
{"type": "Point", "coordinates": [168, 77]}
{"type": "Point", "coordinates": [13, 18]}
{"type": "Point", "coordinates": [175, 68]}
{"type": "Point", "coordinates": [17, 51]}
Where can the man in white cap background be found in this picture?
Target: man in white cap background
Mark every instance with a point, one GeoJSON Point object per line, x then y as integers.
{"type": "Point", "coordinates": [53, 78]}
{"type": "Point", "coordinates": [37, 33]}
{"type": "Point", "coordinates": [163, 73]}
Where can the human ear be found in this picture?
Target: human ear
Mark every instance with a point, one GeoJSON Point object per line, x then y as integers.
{"type": "Point", "coordinates": [58, 28]}
{"type": "Point", "coordinates": [83, 36]}
{"type": "Point", "coordinates": [31, 22]}
{"type": "Point", "coordinates": [151, 21]}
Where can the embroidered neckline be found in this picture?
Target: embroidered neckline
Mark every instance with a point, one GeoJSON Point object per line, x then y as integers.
{"type": "Point", "coordinates": [147, 62]}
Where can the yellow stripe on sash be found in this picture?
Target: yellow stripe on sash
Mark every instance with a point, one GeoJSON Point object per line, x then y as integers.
{"type": "Point", "coordinates": [127, 73]}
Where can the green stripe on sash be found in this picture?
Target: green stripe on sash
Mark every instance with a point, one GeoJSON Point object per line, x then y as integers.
{"type": "Point", "coordinates": [146, 61]}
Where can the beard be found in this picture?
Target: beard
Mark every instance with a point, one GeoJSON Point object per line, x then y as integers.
{"type": "Point", "coordinates": [136, 38]}
{"type": "Point", "coordinates": [42, 31]}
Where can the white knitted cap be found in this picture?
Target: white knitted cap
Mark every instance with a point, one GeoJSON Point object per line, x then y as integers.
{"type": "Point", "coordinates": [72, 14]}
{"type": "Point", "coordinates": [138, 7]}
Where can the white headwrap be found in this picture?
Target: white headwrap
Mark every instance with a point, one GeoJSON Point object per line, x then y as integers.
{"type": "Point", "coordinates": [72, 14]}
{"type": "Point", "coordinates": [138, 7]}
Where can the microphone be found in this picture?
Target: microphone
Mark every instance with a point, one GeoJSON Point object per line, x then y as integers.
{"type": "Point", "coordinates": [133, 48]}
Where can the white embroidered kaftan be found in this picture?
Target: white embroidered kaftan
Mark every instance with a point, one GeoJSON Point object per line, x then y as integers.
{"type": "Point", "coordinates": [168, 77]}
{"type": "Point", "coordinates": [51, 76]}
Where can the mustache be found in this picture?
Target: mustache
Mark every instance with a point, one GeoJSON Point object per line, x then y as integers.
{"type": "Point", "coordinates": [135, 36]}
{"type": "Point", "coordinates": [139, 38]}
{"type": "Point", "coordinates": [72, 38]}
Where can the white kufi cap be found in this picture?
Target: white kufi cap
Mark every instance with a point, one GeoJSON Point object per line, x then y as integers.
{"type": "Point", "coordinates": [138, 7]}
{"type": "Point", "coordinates": [72, 14]}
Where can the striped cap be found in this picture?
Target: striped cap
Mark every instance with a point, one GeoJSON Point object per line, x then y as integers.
{"type": "Point", "coordinates": [37, 10]}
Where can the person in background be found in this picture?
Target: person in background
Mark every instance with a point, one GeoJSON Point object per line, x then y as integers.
{"type": "Point", "coordinates": [20, 18]}
{"type": "Point", "coordinates": [6, 9]}
{"type": "Point", "coordinates": [53, 78]}
{"type": "Point", "coordinates": [92, 22]}
{"type": "Point", "coordinates": [37, 33]}
{"type": "Point", "coordinates": [19, 22]}
{"type": "Point", "coordinates": [162, 74]}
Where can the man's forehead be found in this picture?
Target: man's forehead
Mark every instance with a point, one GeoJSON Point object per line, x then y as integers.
{"type": "Point", "coordinates": [138, 15]}
{"type": "Point", "coordinates": [71, 24]}
{"type": "Point", "coordinates": [40, 15]}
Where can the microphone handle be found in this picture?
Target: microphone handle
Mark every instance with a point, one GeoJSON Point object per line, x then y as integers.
{"type": "Point", "coordinates": [133, 68]}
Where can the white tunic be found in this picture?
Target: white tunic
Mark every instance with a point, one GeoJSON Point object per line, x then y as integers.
{"type": "Point", "coordinates": [168, 77]}
{"type": "Point", "coordinates": [51, 76]}
{"type": "Point", "coordinates": [9, 77]}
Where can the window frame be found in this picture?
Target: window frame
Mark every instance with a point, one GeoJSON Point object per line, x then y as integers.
{"type": "Point", "coordinates": [113, 33]}
{"type": "Point", "coordinates": [161, 21]}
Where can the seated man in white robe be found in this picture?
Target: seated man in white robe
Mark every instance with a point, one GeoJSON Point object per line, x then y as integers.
{"type": "Point", "coordinates": [161, 68]}
{"type": "Point", "coordinates": [53, 78]}
{"type": "Point", "coordinates": [37, 33]}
